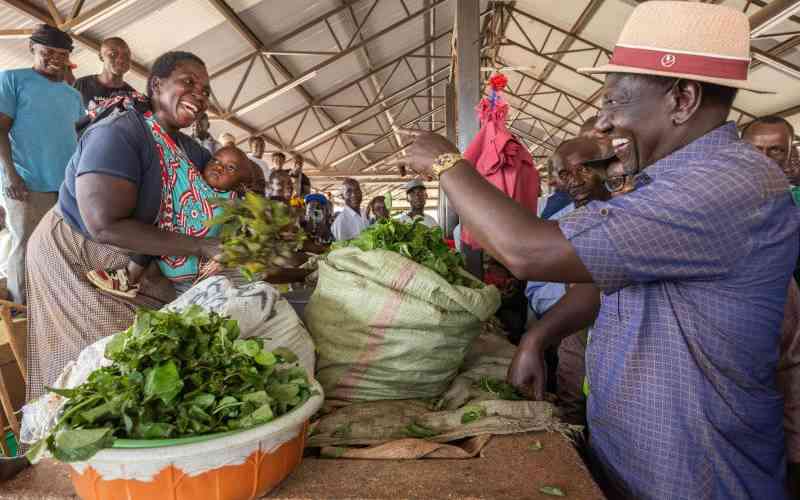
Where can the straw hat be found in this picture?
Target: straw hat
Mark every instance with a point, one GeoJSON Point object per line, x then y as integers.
{"type": "Point", "coordinates": [696, 41]}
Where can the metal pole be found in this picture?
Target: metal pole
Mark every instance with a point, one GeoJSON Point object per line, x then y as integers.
{"type": "Point", "coordinates": [448, 219]}
{"type": "Point", "coordinates": [468, 52]}
{"type": "Point", "coordinates": [468, 85]}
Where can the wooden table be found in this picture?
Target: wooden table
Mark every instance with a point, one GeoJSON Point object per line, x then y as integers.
{"type": "Point", "coordinates": [509, 469]}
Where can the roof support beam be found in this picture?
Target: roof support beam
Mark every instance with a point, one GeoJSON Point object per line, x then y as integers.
{"type": "Point", "coordinates": [282, 39]}
{"type": "Point", "coordinates": [566, 44]}
{"type": "Point", "coordinates": [386, 136]}
{"type": "Point", "coordinates": [539, 106]}
{"type": "Point", "coordinates": [93, 16]}
{"type": "Point", "coordinates": [340, 55]}
{"type": "Point", "coordinates": [233, 18]}
{"type": "Point", "coordinates": [16, 34]}
{"type": "Point", "coordinates": [56, 15]}
{"type": "Point", "coordinates": [549, 88]}
{"type": "Point", "coordinates": [350, 124]}
{"type": "Point", "coordinates": [772, 15]}
{"type": "Point", "coordinates": [399, 148]}
{"type": "Point", "coordinates": [76, 9]}
{"type": "Point", "coordinates": [413, 86]}
{"type": "Point", "coordinates": [773, 62]}
{"type": "Point", "coordinates": [377, 87]}
{"type": "Point", "coordinates": [388, 156]}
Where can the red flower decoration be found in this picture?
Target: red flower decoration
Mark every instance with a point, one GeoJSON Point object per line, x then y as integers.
{"type": "Point", "coordinates": [498, 81]}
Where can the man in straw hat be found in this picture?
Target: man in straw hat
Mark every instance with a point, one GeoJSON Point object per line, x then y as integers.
{"type": "Point", "coordinates": [693, 265]}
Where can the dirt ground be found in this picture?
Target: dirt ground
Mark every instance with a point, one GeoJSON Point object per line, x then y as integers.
{"type": "Point", "coordinates": [509, 469]}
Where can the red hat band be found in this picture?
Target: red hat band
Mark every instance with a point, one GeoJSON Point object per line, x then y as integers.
{"type": "Point", "coordinates": [679, 62]}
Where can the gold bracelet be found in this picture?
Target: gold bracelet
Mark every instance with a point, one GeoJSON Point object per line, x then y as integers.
{"type": "Point", "coordinates": [445, 162]}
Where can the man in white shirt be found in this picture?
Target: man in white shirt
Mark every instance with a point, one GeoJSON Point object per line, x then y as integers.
{"type": "Point", "coordinates": [417, 196]}
{"type": "Point", "coordinates": [350, 221]}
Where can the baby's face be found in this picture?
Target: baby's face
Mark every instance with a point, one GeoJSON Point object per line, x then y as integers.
{"type": "Point", "coordinates": [227, 170]}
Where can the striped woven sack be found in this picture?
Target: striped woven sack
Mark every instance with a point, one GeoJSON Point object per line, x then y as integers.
{"type": "Point", "coordinates": [386, 327]}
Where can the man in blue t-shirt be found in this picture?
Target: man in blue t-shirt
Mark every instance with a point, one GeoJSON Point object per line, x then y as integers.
{"type": "Point", "coordinates": [38, 111]}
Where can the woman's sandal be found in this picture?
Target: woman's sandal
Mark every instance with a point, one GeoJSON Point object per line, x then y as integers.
{"type": "Point", "coordinates": [114, 282]}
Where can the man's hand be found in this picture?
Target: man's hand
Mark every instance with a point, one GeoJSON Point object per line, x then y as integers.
{"type": "Point", "coordinates": [528, 370]}
{"type": "Point", "coordinates": [426, 147]}
{"type": "Point", "coordinates": [14, 187]}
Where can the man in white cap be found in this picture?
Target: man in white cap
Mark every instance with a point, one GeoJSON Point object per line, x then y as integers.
{"type": "Point", "coordinates": [417, 197]}
{"type": "Point", "coordinates": [693, 265]}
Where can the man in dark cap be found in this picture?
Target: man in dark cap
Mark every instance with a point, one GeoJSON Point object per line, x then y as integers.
{"type": "Point", "coordinates": [116, 58]}
{"type": "Point", "coordinates": [38, 111]}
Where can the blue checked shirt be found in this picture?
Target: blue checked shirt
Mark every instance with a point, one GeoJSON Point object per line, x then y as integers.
{"type": "Point", "coordinates": [694, 266]}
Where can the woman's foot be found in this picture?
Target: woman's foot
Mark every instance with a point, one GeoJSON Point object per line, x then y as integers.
{"type": "Point", "coordinates": [114, 281]}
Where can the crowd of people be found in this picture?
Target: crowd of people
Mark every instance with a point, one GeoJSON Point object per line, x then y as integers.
{"type": "Point", "coordinates": [659, 268]}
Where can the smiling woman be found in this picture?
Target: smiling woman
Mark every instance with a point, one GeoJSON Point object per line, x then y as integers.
{"type": "Point", "coordinates": [110, 206]}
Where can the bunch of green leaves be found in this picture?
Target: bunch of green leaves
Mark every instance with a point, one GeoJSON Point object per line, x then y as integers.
{"type": "Point", "coordinates": [499, 389]}
{"type": "Point", "coordinates": [417, 242]}
{"type": "Point", "coordinates": [472, 413]}
{"type": "Point", "coordinates": [176, 375]}
{"type": "Point", "coordinates": [258, 234]}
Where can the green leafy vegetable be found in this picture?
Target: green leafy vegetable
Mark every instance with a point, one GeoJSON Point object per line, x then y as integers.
{"type": "Point", "coordinates": [258, 234]}
{"type": "Point", "coordinates": [472, 413]}
{"type": "Point", "coordinates": [552, 491]}
{"type": "Point", "coordinates": [498, 388]}
{"type": "Point", "coordinates": [162, 382]}
{"type": "Point", "coordinates": [417, 242]}
{"type": "Point", "coordinates": [80, 444]}
{"type": "Point", "coordinates": [175, 375]}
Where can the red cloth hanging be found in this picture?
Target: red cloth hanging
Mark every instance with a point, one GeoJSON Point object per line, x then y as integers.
{"type": "Point", "coordinates": [502, 160]}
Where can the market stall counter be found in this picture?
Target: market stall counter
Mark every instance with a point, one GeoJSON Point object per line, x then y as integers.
{"type": "Point", "coordinates": [511, 467]}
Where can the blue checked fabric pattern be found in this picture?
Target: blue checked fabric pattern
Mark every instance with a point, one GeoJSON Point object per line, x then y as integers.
{"type": "Point", "coordinates": [694, 266]}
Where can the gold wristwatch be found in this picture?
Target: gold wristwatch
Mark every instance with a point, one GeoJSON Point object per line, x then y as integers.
{"type": "Point", "coordinates": [445, 162]}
